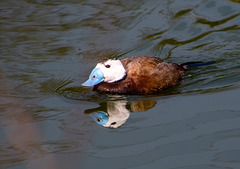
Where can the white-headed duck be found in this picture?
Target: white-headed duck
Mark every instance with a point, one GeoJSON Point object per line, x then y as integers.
{"type": "Point", "coordinates": [135, 75]}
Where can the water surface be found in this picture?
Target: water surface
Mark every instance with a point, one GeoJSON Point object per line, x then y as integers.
{"type": "Point", "coordinates": [48, 48]}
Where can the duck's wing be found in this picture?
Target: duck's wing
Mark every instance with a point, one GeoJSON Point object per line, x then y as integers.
{"type": "Point", "coordinates": [152, 75]}
{"type": "Point", "coordinates": [140, 65]}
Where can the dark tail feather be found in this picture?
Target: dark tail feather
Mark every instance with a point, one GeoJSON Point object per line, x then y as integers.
{"type": "Point", "coordinates": [189, 65]}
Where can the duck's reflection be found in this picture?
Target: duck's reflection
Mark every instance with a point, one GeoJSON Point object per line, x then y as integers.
{"type": "Point", "coordinates": [113, 114]}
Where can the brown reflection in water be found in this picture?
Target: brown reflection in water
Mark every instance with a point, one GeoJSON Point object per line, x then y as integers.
{"type": "Point", "coordinates": [142, 105]}
{"type": "Point", "coordinates": [21, 133]}
{"type": "Point", "coordinates": [238, 1]}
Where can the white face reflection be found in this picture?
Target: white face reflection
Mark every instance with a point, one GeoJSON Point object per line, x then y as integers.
{"type": "Point", "coordinates": [111, 114]}
{"type": "Point", "coordinates": [118, 113]}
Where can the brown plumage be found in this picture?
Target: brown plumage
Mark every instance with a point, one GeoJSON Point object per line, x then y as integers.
{"type": "Point", "coordinates": [145, 75]}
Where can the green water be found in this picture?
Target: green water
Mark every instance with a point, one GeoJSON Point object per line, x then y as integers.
{"type": "Point", "coordinates": [48, 48]}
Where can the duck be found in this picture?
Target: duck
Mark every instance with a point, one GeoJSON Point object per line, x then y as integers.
{"type": "Point", "coordinates": [136, 75]}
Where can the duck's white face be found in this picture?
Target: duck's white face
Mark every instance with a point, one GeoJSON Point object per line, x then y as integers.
{"type": "Point", "coordinates": [109, 71]}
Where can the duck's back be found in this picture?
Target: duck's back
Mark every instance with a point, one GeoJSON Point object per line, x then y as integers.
{"type": "Point", "coordinates": [145, 75]}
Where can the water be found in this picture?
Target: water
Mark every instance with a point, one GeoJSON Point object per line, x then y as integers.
{"type": "Point", "coordinates": [48, 48]}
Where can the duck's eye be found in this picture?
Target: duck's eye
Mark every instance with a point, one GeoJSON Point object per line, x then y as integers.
{"type": "Point", "coordinates": [94, 77]}
{"type": "Point", "coordinates": [107, 66]}
{"type": "Point", "coordinates": [99, 119]}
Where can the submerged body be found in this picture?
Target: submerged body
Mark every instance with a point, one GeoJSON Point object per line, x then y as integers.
{"type": "Point", "coordinates": [137, 75]}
